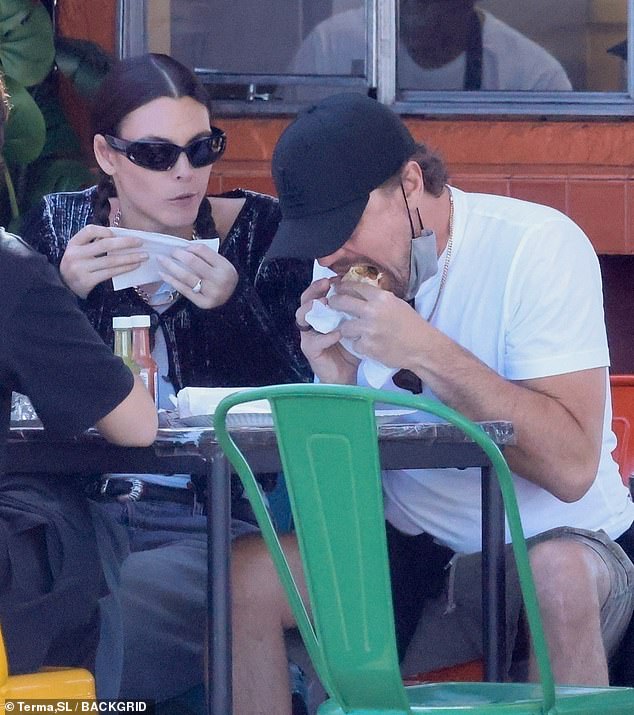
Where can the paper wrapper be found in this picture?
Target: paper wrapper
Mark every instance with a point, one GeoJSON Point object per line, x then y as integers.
{"type": "Point", "coordinates": [194, 401]}
{"type": "Point", "coordinates": [325, 319]}
{"type": "Point", "coordinates": [154, 244]}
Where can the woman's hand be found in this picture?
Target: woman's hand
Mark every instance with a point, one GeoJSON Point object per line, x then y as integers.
{"type": "Point", "coordinates": [200, 274]}
{"type": "Point", "coordinates": [93, 255]}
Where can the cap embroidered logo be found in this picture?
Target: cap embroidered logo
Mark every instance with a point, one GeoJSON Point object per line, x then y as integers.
{"type": "Point", "coordinates": [293, 195]}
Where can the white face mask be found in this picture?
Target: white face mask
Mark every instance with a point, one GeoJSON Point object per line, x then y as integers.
{"type": "Point", "coordinates": [423, 261]}
{"type": "Point", "coordinates": [423, 256]}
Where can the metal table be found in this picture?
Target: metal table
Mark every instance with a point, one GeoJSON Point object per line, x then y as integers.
{"type": "Point", "coordinates": [182, 449]}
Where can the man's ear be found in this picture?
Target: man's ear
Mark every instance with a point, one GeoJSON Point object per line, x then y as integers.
{"type": "Point", "coordinates": [104, 154]}
{"type": "Point", "coordinates": [412, 180]}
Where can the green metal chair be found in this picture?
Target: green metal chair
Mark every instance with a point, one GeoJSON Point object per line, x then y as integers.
{"type": "Point", "coordinates": [327, 438]}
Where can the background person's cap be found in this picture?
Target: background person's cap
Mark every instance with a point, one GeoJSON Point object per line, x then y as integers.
{"type": "Point", "coordinates": [325, 165]}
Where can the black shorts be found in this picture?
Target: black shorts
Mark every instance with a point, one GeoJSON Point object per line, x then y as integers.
{"type": "Point", "coordinates": [417, 570]}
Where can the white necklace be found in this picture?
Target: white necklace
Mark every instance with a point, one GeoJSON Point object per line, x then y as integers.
{"type": "Point", "coordinates": [163, 295]}
{"type": "Point", "coordinates": [445, 268]}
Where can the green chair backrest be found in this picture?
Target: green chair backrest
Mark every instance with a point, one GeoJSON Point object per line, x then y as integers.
{"type": "Point", "coordinates": [327, 438]}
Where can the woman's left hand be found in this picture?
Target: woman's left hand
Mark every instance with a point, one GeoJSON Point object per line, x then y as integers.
{"type": "Point", "coordinates": [200, 274]}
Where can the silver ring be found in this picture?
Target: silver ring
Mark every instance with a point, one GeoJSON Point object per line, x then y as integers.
{"type": "Point", "coordinates": [198, 287]}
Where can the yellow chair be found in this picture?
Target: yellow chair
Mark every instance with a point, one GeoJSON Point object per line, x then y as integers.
{"type": "Point", "coordinates": [51, 683]}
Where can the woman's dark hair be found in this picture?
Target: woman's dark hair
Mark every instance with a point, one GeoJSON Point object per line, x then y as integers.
{"type": "Point", "coordinates": [435, 174]}
{"type": "Point", "coordinates": [133, 83]}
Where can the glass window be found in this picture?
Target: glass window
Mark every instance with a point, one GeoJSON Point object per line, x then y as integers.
{"type": "Point", "coordinates": [512, 56]}
{"type": "Point", "coordinates": [578, 37]}
{"type": "Point", "coordinates": [431, 56]}
{"type": "Point", "coordinates": [509, 45]}
{"type": "Point", "coordinates": [263, 36]}
{"type": "Point", "coordinates": [279, 51]}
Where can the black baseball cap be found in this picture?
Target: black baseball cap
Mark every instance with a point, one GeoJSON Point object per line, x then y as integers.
{"type": "Point", "coordinates": [325, 164]}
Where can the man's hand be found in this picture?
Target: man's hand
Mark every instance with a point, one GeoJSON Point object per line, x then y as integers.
{"type": "Point", "coordinates": [383, 327]}
{"type": "Point", "coordinates": [329, 360]}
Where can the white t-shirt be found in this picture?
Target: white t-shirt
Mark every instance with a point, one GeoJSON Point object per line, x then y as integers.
{"type": "Point", "coordinates": [523, 294]}
{"type": "Point", "coordinates": [510, 61]}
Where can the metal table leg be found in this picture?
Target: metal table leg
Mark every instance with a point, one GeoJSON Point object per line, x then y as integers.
{"type": "Point", "coordinates": [493, 579]}
{"type": "Point", "coordinates": [218, 585]}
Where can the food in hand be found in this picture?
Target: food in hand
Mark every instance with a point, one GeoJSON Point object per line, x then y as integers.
{"type": "Point", "coordinates": [364, 273]}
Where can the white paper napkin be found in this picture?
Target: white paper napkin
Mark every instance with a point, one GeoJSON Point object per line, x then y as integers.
{"type": "Point", "coordinates": [325, 319]}
{"type": "Point", "coordinates": [193, 401]}
{"type": "Point", "coordinates": [155, 244]}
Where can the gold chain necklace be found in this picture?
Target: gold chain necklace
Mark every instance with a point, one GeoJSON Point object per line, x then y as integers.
{"type": "Point", "coordinates": [159, 297]}
{"type": "Point", "coordinates": [445, 268]}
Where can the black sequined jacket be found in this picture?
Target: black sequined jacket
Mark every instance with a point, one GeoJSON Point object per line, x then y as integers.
{"type": "Point", "coordinates": [250, 340]}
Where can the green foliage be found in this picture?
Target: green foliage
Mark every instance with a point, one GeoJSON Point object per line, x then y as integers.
{"type": "Point", "coordinates": [25, 132]}
{"type": "Point", "coordinates": [41, 151]}
{"type": "Point", "coordinates": [84, 62]}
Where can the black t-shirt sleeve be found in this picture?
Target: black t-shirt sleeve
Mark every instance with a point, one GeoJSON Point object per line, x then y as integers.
{"type": "Point", "coordinates": [72, 378]}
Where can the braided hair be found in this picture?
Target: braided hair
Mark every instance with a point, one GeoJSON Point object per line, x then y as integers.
{"type": "Point", "coordinates": [100, 203]}
{"type": "Point", "coordinates": [133, 83]}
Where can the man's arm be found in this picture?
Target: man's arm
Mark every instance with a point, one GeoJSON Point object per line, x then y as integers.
{"type": "Point", "coordinates": [557, 420]}
{"type": "Point", "coordinates": [72, 378]}
{"type": "Point", "coordinates": [134, 421]}
{"type": "Point", "coordinates": [578, 400]}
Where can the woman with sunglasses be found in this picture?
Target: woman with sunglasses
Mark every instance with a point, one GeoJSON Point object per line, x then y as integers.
{"type": "Point", "coordinates": [155, 145]}
{"type": "Point", "coordinates": [218, 319]}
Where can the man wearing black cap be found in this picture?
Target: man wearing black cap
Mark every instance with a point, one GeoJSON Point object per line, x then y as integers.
{"type": "Point", "coordinates": [493, 306]}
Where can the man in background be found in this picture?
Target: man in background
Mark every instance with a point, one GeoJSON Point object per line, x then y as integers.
{"type": "Point", "coordinates": [443, 45]}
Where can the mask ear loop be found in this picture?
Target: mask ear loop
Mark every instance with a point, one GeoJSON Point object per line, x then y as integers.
{"type": "Point", "coordinates": [406, 379]}
{"type": "Point", "coordinates": [409, 216]}
{"type": "Point", "coordinates": [420, 221]}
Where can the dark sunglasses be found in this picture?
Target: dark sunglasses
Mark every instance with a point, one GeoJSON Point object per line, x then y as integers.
{"type": "Point", "coordinates": [161, 156]}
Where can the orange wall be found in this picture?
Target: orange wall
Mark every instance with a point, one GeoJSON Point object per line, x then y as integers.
{"type": "Point", "coordinates": [81, 20]}
{"type": "Point", "coordinates": [582, 168]}
{"type": "Point", "coordinates": [86, 19]}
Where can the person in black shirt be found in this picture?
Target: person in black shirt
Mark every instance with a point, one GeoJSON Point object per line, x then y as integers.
{"type": "Point", "coordinates": [55, 547]}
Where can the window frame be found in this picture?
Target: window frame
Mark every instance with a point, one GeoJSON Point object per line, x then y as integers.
{"type": "Point", "coordinates": [380, 79]}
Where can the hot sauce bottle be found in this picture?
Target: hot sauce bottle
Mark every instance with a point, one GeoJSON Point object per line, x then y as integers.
{"type": "Point", "coordinates": [142, 355]}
